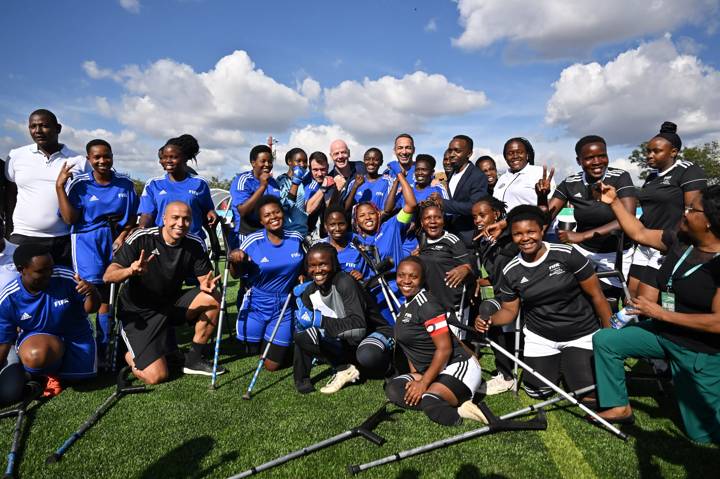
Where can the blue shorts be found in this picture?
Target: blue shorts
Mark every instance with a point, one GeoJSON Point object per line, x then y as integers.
{"type": "Point", "coordinates": [92, 253]}
{"type": "Point", "coordinates": [258, 314]}
{"type": "Point", "coordinates": [78, 362]}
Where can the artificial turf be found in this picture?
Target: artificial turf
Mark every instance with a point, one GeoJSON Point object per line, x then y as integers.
{"type": "Point", "coordinates": [182, 429]}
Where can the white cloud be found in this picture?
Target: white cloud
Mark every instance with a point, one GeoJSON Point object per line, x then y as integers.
{"type": "Point", "coordinates": [628, 98]}
{"type": "Point", "coordinates": [221, 105]}
{"type": "Point", "coordinates": [132, 6]}
{"type": "Point", "coordinates": [558, 28]}
{"type": "Point", "coordinates": [375, 109]}
{"type": "Point", "coordinates": [431, 25]}
{"type": "Point", "coordinates": [318, 138]}
{"type": "Point", "coordinates": [103, 106]}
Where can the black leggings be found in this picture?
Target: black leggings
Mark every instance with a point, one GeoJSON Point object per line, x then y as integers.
{"type": "Point", "coordinates": [574, 365]}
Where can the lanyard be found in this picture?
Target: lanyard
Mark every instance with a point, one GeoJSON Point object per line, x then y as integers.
{"type": "Point", "coordinates": [688, 272]}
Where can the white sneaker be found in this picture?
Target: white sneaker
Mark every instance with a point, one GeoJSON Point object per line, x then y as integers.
{"type": "Point", "coordinates": [498, 384]}
{"type": "Point", "coordinates": [469, 410]}
{"type": "Point", "coordinates": [340, 379]}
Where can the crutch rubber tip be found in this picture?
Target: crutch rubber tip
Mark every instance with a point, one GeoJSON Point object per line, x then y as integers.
{"type": "Point", "coordinates": [246, 396]}
{"type": "Point", "coordinates": [353, 469]}
{"type": "Point", "coordinates": [53, 458]}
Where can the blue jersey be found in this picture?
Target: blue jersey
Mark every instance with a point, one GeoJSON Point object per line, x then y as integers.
{"type": "Point", "coordinates": [193, 190]}
{"type": "Point", "coordinates": [295, 216]}
{"type": "Point", "coordinates": [274, 268]}
{"type": "Point", "coordinates": [393, 168]}
{"type": "Point", "coordinates": [422, 195]}
{"type": "Point", "coordinates": [242, 188]}
{"type": "Point", "coordinates": [100, 205]}
{"type": "Point", "coordinates": [59, 310]}
{"type": "Point", "coordinates": [388, 241]}
{"type": "Point", "coordinates": [350, 258]}
{"type": "Point", "coordinates": [373, 191]}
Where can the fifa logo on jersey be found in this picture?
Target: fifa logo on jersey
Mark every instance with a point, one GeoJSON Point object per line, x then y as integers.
{"type": "Point", "coordinates": [407, 318]}
{"type": "Point", "coordinates": [60, 302]}
{"type": "Point", "coordinates": [193, 192]}
{"type": "Point", "coordinates": [556, 269]}
{"type": "Point", "coordinates": [295, 255]}
{"type": "Point", "coordinates": [351, 265]}
{"type": "Point", "coordinates": [122, 195]}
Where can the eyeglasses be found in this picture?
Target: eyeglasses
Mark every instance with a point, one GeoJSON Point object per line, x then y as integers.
{"type": "Point", "coordinates": [688, 209]}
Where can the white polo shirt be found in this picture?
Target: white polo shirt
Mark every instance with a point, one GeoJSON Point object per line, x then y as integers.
{"type": "Point", "coordinates": [519, 188]}
{"type": "Point", "coordinates": [36, 211]}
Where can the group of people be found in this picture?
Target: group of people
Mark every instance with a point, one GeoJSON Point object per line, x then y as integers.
{"type": "Point", "coordinates": [388, 266]}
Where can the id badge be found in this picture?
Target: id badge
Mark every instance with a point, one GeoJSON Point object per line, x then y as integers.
{"type": "Point", "coordinates": [667, 300]}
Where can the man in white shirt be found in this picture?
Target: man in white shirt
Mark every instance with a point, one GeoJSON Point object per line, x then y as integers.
{"type": "Point", "coordinates": [31, 172]}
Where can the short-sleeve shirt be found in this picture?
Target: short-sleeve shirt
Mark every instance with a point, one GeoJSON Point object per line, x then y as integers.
{"type": "Point", "coordinates": [693, 294]}
{"type": "Point", "coordinates": [388, 241]}
{"type": "Point", "coordinates": [35, 175]}
{"type": "Point", "coordinates": [419, 320]}
{"type": "Point", "coordinates": [662, 195]}
{"type": "Point", "coordinates": [553, 304]}
{"type": "Point", "coordinates": [58, 310]}
{"type": "Point", "coordinates": [440, 256]}
{"type": "Point", "coordinates": [296, 219]}
{"type": "Point", "coordinates": [350, 258]}
{"type": "Point", "coordinates": [242, 188]}
{"type": "Point", "coordinates": [102, 205]}
{"type": "Point", "coordinates": [591, 213]}
{"type": "Point", "coordinates": [193, 191]}
{"type": "Point", "coordinates": [274, 267]}
{"type": "Point", "coordinates": [375, 191]}
{"type": "Point", "coordinates": [519, 188]}
{"type": "Point", "coordinates": [162, 282]}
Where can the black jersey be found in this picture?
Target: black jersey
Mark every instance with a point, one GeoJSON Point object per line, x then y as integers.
{"type": "Point", "coordinates": [694, 294]}
{"type": "Point", "coordinates": [553, 304]}
{"type": "Point", "coordinates": [345, 306]}
{"type": "Point", "coordinates": [661, 197]}
{"type": "Point", "coordinates": [161, 284]}
{"type": "Point", "coordinates": [493, 256]}
{"type": "Point", "coordinates": [418, 320]}
{"type": "Point", "coordinates": [440, 256]}
{"type": "Point", "coordinates": [591, 213]}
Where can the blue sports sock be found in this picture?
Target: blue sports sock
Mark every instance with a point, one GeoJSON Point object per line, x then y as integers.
{"type": "Point", "coordinates": [103, 328]}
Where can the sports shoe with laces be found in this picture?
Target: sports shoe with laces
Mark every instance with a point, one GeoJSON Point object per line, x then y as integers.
{"type": "Point", "coordinates": [340, 379]}
{"type": "Point", "coordinates": [498, 384]}
{"type": "Point", "coordinates": [52, 387]}
{"type": "Point", "coordinates": [201, 367]}
{"type": "Point", "coordinates": [469, 410]}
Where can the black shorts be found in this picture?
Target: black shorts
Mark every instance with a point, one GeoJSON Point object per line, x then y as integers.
{"type": "Point", "coordinates": [147, 332]}
{"type": "Point", "coordinates": [59, 247]}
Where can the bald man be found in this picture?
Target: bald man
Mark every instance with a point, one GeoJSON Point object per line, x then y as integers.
{"type": "Point", "coordinates": [156, 261]}
{"type": "Point", "coordinates": [344, 169]}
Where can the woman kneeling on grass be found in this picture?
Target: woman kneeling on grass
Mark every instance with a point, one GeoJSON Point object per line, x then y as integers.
{"type": "Point", "coordinates": [684, 327]}
{"type": "Point", "coordinates": [443, 374]}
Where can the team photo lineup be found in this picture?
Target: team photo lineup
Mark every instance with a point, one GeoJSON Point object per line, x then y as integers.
{"type": "Point", "coordinates": [392, 267]}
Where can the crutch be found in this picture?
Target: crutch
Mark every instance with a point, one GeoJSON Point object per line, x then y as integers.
{"type": "Point", "coordinates": [502, 425]}
{"type": "Point", "coordinates": [518, 337]}
{"type": "Point", "coordinates": [384, 286]}
{"type": "Point", "coordinates": [247, 394]}
{"type": "Point", "coordinates": [218, 336]}
{"type": "Point", "coordinates": [550, 384]}
{"type": "Point", "coordinates": [123, 387]}
{"type": "Point", "coordinates": [109, 362]}
{"type": "Point", "coordinates": [365, 430]}
{"type": "Point", "coordinates": [19, 412]}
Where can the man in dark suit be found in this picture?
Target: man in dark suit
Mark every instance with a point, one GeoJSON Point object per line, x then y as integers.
{"type": "Point", "coordinates": [466, 185]}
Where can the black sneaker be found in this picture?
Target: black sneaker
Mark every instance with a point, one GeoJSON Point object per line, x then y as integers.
{"type": "Point", "coordinates": [304, 386]}
{"type": "Point", "coordinates": [201, 367]}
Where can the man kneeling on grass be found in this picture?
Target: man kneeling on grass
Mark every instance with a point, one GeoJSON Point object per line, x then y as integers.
{"type": "Point", "coordinates": [44, 311]}
{"type": "Point", "coordinates": [156, 261]}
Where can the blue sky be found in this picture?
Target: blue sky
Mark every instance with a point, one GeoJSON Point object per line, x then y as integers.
{"type": "Point", "coordinates": [138, 72]}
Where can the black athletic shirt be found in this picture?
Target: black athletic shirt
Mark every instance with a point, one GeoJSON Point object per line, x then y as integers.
{"type": "Point", "coordinates": [419, 319]}
{"type": "Point", "coordinates": [495, 255]}
{"type": "Point", "coordinates": [161, 284]}
{"type": "Point", "coordinates": [345, 306]}
{"type": "Point", "coordinates": [661, 197]}
{"type": "Point", "coordinates": [553, 304]}
{"type": "Point", "coordinates": [440, 256]}
{"type": "Point", "coordinates": [693, 295]}
{"type": "Point", "coordinates": [591, 213]}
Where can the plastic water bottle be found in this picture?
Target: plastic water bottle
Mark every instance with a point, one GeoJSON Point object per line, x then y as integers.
{"type": "Point", "coordinates": [621, 318]}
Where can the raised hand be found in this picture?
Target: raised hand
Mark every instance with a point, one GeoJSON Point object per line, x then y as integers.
{"type": "Point", "coordinates": [543, 186]}
{"type": "Point", "coordinates": [83, 287]}
{"type": "Point", "coordinates": [208, 282]}
{"type": "Point", "coordinates": [265, 178]}
{"type": "Point", "coordinates": [64, 175]}
{"type": "Point", "coordinates": [139, 266]}
{"type": "Point", "coordinates": [212, 218]}
{"type": "Point", "coordinates": [238, 256]}
{"type": "Point", "coordinates": [359, 180]}
{"type": "Point", "coordinates": [339, 182]}
{"type": "Point", "coordinates": [607, 193]}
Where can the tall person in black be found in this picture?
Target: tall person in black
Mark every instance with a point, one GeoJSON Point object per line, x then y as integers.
{"type": "Point", "coordinates": [561, 301]}
{"type": "Point", "coordinates": [443, 374]}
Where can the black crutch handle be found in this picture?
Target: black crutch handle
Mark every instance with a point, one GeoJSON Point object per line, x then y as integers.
{"type": "Point", "coordinates": [371, 436]}
{"type": "Point", "coordinates": [133, 390]}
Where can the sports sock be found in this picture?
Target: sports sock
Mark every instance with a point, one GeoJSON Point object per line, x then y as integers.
{"type": "Point", "coordinates": [195, 353]}
{"type": "Point", "coordinates": [439, 410]}
{"type": "Point", "coordinates": [103, 328]}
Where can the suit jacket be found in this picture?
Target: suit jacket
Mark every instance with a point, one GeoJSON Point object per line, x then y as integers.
{"type": "Point", "coordinates": [472, 186]}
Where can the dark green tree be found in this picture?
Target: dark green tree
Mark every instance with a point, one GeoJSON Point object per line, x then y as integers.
{"type": "Point", "coordinates": [706, 156]}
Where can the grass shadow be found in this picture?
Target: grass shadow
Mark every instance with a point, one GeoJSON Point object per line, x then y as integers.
{"type": "Point", "coordinates": [182, 461]}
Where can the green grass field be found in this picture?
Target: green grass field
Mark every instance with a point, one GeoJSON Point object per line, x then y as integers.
{"type": "Point", "coordinates": [181, 429]}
